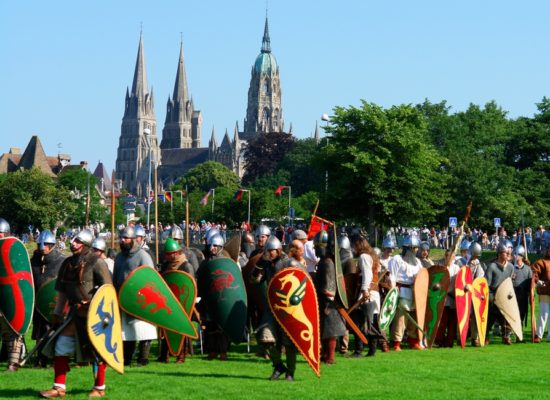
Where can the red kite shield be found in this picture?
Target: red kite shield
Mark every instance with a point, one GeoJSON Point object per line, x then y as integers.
{"type": "Point", "coordinates": [293, 302]}
{"type": "Point", "coordinates": [16, 285]}
{"type": "Point", "coordinates": [463, 299]}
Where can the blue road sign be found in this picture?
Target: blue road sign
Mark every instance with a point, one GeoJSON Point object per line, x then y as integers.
{"type": "Point", "coordinates": [497, 222]}
{"type": "Point", "coordinates": [452, 222]}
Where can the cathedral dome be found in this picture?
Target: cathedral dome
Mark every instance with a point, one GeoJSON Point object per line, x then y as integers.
{"type": "Point", "coordinates": [265, 63]}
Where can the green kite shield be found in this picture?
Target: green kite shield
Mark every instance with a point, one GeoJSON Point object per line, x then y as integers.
{"type": "Point", "coordinates": [505, 300]}
{"type": "Point", "coordinates": [463, 300]}
{"type": "Point", "coordinates": [389, 308]}
{"type": "Point", "coordinates": [293, 302]}
{"type": "Point", "coordinates": [105, 328]}
{"type": "Point", "coordinates": [145, 295]}
{"type": "Point", "coordinates": [46, 299]}
{"type": "Point", "coordinates": [340, 281]}
{"type": "Point", "coordinates": [16, 285]}
{"type": "Point", "coordinates": [185, 289]}
{"type": "Point", "coordinates": [226, 296]}
{"type": "Point", "coordinates": [437, 293]}
{"type": "Point", "coordinates": [480, 304]}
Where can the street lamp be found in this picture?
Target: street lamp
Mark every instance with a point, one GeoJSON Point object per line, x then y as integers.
{"type": "Point", "coordinates": [147, 133]}
{"type": "Point", "coordinates": [326, 118]}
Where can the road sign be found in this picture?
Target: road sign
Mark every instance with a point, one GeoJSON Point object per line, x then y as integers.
{"type": "Point", "coordinates": [452, 222]}
{"type": "Point", "coordinates": [497, 222]}
{"type": "Point", "coordinates": [291, 212]}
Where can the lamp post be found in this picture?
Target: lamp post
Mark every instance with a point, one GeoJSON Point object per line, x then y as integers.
{"type": "Point", "coordinates": [326, 118]}
{"type": "Point", "coordinates": [147, 133]}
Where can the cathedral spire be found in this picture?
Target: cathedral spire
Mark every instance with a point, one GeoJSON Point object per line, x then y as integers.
{"type": "Point", "coordinates": [180, 86]}
{"type": "Point", "coordinates": [140, 86]}
{"type": "Point", "coordinates": [316, 135]}
{"type": "Point", "coordinates": [266, 43]}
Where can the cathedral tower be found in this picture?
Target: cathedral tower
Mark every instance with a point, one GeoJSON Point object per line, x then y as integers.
{"type": "Point", "coordinates": [264, 112]}
{"type": "Point", "coordinates": [182, 128]}
{"type": "Point", "coordinates": [132, 164]}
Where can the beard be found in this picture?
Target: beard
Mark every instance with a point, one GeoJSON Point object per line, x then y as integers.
{"type": "Point", "coordinates": [126, 247]}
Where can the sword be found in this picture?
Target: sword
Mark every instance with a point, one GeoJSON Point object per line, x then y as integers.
{"type": "Point", "coordinates": [351, 324]}
{"type": "Point", "coordinates": [357, 304]}
{"type": "Point", "coordinates": [38, 346]}
{"type": "Point", "coordinates": [410, 318]}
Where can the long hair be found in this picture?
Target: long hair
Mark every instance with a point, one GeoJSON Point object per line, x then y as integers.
{"type": "Point", "coordinates": [362, 246]}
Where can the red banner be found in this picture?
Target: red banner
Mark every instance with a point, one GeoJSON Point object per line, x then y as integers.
{"type": "Point", "coordinates": [317, 224]}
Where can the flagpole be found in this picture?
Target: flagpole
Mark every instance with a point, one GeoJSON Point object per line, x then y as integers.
{"type": "Point", "coordinates": [156, 219]}
{"type": "Point", "coordinates": [186, 215]}
{"type": "Point", "coordinates": [248, 220]}
{"type": "Point", "coordinates": [113, 210]}
{"type": "Point", "coordinates": [213, 201]}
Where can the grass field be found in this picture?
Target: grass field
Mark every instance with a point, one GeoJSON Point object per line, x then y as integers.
{"type": "Point", "coordinates": [493, 372]}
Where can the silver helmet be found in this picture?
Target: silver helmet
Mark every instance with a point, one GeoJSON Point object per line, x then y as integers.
{"type": "Point", "coordinates": [508, 244]}
{"type": "Point", "coordinates": [475, 249]}
{"type": "Point", "coordinates": [388, 243]}
{"type": "Point", "coordinates": [211, 232]}
{"type": "Point", "coordinates": [99, 244]}
{"type": "Point", "coordinates": [46, 237]}
{"type": "Point", "coordinates": [321, 239]}
{"type": "Point", "coordinates": [344, 243]}
{"type": "Point", "coordinates": [465, 245]}
{"type": "Point", "coordinates": [520, 251]}
{"type": "Point", "coordinates": [176, 232]}
{"type": "Point", "coordinates": [273, 244]}
{"type": "Point", "coordinates": [299, 235]}
{"type": "Point", "coordinates": [4, 226]}
{"type": "Point", "coordinates": [424, 246]}
{"type": "Point", "coordinates": [85, 237]}
{"type": "Point", "coordinates": [411, 241]}
{"type": "Point", "coordinates": [502, 248]}
{"type": "Point", "coordinates": [263, 230]}
{"type": "Point", "coordinates": [128, 233]}
{"type": "Point", "coordinates": [140, 230]}
{"type": "Point", "coordinates": [216, 240]}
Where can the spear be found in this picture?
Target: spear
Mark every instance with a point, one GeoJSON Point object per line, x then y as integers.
{"type": "Point", "coordinates": [460, 236]}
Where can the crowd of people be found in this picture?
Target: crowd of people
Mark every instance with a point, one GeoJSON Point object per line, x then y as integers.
{"type": "Point", "coordinates": [371, 271]}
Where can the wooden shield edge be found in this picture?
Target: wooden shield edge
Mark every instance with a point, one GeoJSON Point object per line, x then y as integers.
{"type": "Point", "coordinates": [420, 299]}
{"type": "Point", "coordinates": [481, 315]}
{"type": "Point", "coordinates": [463, 279]}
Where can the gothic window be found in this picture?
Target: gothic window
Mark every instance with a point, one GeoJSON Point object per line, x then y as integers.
{"type": "Point", "coordinates": [266, 116]}
{"type": "Point", "coordinates": [276, 117]}
{"type": "Point", "coordinates": [266, 87]}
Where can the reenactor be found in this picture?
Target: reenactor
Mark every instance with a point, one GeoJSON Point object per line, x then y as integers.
{"type": "Point", "coordinates": [423, 255]}
{"type": "Point", "coordinates": [522, 278]}
{"type": "Point", "coordinates": [541, 273]}
{"type": "Point", "coordinates": [98, 247]}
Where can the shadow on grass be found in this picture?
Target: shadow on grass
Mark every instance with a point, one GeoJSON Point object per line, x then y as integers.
{"type": "Point", "coordinates": [200, 374]}
{"type": "Point", "coordinates": [14, 393]}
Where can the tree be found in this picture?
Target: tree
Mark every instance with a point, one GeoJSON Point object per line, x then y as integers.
{"type": "Point", "coordinates": [263, 154]}
{"type": "Point", "coordinates": [206, 176]}
{"type": "Point", "coordinates": [382, 167]}
{"type": "Point", "coordinates": [77, 181]}
{"type": "Point", "coordinates": [31, 197]}
{"type": "Point", "coordinates": [304, 173]}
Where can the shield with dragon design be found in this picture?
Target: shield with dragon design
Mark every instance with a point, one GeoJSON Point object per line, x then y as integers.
{"type": "Point", "coordinates": [480, 304]}
{"type": "Point", "coordinates": [145, 295]}
{"type": "Point", "coordinates": [185, 289]}
{"type": "Point", "coordinates": [16, 285]}
{"type": "Point", "coordinates": [340, 281]}
{"type": "Point", "coordinates": [437, 293]}
{"type": "Point", "coordinates": [463, 299]}
{"type": "Point", "coordinates": [389, 308]}
{"type": "Point", "coordinates": [507, 303]}
{"type": "Point", "coordinates": [104, 327]}
{"type": "Point", "coordinates": [226, 296]}
{"type": "Point", "coordinates": [293, 302]}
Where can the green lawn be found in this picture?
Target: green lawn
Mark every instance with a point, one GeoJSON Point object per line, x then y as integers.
{"type": "Point", "coordinates": [493, 372]}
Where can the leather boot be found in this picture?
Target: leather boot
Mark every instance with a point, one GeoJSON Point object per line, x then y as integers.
{"type": "Point", "coordinates": [414, 344]}
{"type": "Point", "coordinates": [331, 349]}
{"type": "Point", "coordinates": [384, 345]}
{"type": "Point", "coordinates": [373, 342]}
{"type": "Point", "coordinates": [143, 352]}
{"type": "Point", "coordinates": [396, 345]}
{"type": "Point", "coordinates": [128, 349]}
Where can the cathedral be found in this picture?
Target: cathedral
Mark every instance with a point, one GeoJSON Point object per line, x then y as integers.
{"type": "Point", "coordinates": [180, 148]}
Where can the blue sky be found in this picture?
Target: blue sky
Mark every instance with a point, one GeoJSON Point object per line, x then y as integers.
{"type": "Point", "coordinates": [65, 65]}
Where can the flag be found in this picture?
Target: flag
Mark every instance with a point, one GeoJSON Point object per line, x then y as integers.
{"type": "Point", "coordinates": [317, 224]}
{"type": "Point", "coordinates": [279, 190]}
{"type": "Point", "coordinates": [168, 196]}
{"type": "Point", "coordinates": [204, 200]}
{"type": "Point", "coordinates": [239, 194]}
{"type": "Point", "coordinates": [162, 198]}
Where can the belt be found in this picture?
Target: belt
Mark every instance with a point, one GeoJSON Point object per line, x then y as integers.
{"type": "Point", "coordinates": [403, 285]}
